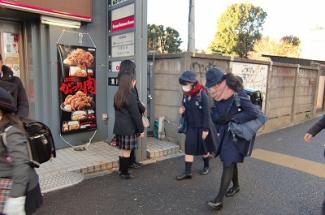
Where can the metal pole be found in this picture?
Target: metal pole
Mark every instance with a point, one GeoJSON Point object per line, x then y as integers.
{"type": "Point", "coordinates": [191, 27]}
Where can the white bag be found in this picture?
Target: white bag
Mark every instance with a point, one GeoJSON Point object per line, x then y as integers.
{"type": "Point", "coordinates": [145, 122]}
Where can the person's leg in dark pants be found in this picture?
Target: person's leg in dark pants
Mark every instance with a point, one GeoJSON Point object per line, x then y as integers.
{"type": "Point", "coordinates": [235, 183]}
{"type": "Point", "coordinates": [227, 175]}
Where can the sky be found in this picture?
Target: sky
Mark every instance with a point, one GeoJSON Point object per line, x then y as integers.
{"type": "Point", "coordinates": [305, 19]}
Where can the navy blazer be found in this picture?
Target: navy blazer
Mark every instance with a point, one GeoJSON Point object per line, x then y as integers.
{"type": "Point", "coordinates": [197, 110]}
{"type": "Point", "coordinates": [232, 150]}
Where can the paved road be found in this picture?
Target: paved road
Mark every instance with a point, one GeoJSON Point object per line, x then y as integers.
{"type": "Point", "coordinates": [266, 188]}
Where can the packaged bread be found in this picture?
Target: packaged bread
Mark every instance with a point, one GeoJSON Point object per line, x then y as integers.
{"type": "Point", "coordinates": [73, 125]}
{"type": "Point", "coordinates": [79, 115]}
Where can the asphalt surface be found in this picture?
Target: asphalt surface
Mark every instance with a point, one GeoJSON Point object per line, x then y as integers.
{"type": "Point", "coordinates": [266, 189]}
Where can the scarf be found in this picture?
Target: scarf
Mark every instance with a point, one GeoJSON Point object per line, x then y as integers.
{"type": "Point", "coordinates": [195, 90]}
{"type": "Point", "coordinates": [224, 93]}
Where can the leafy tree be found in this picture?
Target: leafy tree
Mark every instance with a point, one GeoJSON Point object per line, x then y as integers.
{"type": "Point", "coordinates": [288, 46]}
{"type": "Point", "coordinates": [237, 30]}
{"type": "Point", "coordinates": [163, 40]}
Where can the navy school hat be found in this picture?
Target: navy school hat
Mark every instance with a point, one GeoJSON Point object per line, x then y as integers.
{"type": "Point", "coordinates": [187, 77]}
{"type": "Point", "coordinates": [213, 76]}
{"type": "Point", "coordinates": [6, 101]}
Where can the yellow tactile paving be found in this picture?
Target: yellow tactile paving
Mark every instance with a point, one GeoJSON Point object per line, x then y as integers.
{"type": "Point", "coordinates": [303, 165]}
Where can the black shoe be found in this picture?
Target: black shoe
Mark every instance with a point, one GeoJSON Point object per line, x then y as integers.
{"type": "Point", "coordinates": [183, 176]}
{"type": "Point", "coordinates": [232, 191]}
{"type": "Point", "coordinates": [126, 176]}
{"type": "Point", "coordinates": [204, 171]}
{"type": "Point", "coordinates": [215, 205]}
{"type": "Point", "coordinates": [135, 165]}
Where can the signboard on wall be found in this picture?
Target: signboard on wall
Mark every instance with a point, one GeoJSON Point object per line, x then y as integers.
{"type": "Point", "coordinates": [73, 9]}
{"type": "Point", "coordinates": [116, 66]}
{"type": "Point", "coordinates": [123, 45]}
{"type": "Point", "coordinates": [123, 12]}
{"type": "Point", "coordinates": [122, 24]}
{"type": "Point", "coordinates": [123, 39]}
{"type": "Point", "coordinates": [123, 18]}
{"type": "Point", "coordinates": [77, 88]}
{"type": "Point", "coordinates": [123, 51]}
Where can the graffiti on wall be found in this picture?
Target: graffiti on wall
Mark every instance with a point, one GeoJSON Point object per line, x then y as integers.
{"type": "Point", "coordinates": [200, 68]}
{"type": "Point", "coordinates": [253, 75]}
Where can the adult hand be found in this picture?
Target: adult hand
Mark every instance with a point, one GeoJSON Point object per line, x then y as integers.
{"type": "Point", "coordinates": [181, 110]}
{"type": "Point", "coordinates": [15, 206]}
{"type": "Point", "coordinates": [308, 137]}
{"type": "Point", "coordinates": [142, 135]}
{"type": "Point", "coordinates": [205, 134]}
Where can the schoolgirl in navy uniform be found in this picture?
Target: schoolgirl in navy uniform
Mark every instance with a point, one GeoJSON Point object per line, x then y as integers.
{"type": "Point", "coordinates": [227, 92]}
{"type": "Point", "coordinates": [196, 114]}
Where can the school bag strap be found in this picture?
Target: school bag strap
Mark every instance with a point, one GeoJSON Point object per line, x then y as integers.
{"type": "Point", "coordinates": [4, 135]}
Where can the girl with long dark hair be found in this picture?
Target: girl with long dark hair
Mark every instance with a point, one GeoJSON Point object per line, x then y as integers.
{"type": "Point", "coordinates": [231, 105]}
{"type": "Point", "coordinates": [128, 67]}
{"type": "Point", "coordinates": [128, 124]}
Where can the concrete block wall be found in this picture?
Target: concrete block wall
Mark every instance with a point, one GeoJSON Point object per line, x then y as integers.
{"type": "Point", "coordinates": [291, 90]}
{"type": "Point", "coordinates": [167, 91]}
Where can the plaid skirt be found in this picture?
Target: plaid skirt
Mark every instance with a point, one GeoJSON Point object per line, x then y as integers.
{"type": "Point", "coordinates": [5, 188]}
{"type": "Point", "coordinates": [127, 142]}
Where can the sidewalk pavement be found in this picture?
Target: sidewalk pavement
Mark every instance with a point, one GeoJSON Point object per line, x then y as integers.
{"type": "Point", "coordinates": [70, 167]}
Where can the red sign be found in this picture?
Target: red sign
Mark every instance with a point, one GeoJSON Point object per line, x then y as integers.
{"type": "Point", "coordinates": [72, 85]}
{"type": "Point", "coordinates": [122, 24]}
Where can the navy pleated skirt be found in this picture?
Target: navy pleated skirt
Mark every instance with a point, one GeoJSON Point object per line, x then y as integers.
{"type": "Point", "coordinates": [195, 145]}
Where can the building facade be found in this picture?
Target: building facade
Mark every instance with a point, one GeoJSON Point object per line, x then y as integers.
{"type": "Point", "coordinates": [43, 42]}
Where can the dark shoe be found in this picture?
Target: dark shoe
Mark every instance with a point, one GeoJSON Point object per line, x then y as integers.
{"type": "Point", "coordinates": [183, 176]}
{"type": "Point", "coordinates": [232, 191]}
{"type": "Point", "coordinates": [204, 171]}
{"type": "Point", "coordinates": [215, 205]}
{"type": "Point", "coordinates": [126, 176]}
{"type": "Point", "coordinates": [135, 165]}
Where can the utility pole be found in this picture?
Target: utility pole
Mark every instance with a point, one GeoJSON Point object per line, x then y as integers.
{"type": "Point", "coordinates": [191, 27]}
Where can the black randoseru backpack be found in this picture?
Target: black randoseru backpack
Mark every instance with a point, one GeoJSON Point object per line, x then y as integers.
{"type": "Point", "coordinates": [40, 143]}
{"type": "Point", "coordinates": [41, 146]}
